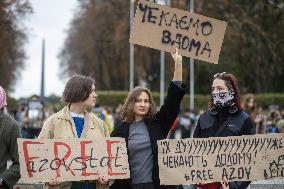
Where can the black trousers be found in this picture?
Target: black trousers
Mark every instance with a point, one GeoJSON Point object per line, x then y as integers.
{"type": "Point", "coordinates": [143, 186]}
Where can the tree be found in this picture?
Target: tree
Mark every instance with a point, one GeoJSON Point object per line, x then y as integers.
{"type": "Point", "coordinates": [252, 44]}
{"type": "Point", "coordinates": [251, 48]}
{"type": "Point", "coordinates": [12, 38]}
{"type": "Point", "coordinates": [102, 52]}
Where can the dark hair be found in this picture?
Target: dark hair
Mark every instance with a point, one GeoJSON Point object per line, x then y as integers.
{"type": "Point", "coordinates": [127, 111]}
{"type": "Point", "coordinates": [232, 83]}
{"type": "Point", "coordinates": [78, 89]}
{"type": "Point", "coordinates": [34, 96]}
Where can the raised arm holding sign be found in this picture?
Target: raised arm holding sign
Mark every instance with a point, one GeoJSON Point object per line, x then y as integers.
{"type": "Point", "coordinates": [143, 126]}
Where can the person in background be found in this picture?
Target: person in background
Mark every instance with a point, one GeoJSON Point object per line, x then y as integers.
{"type": "Point", "coordinates": [225, 117]}
{"type": "Point", "coordinates": [280, 126]}
{"type": "Point", "coordinates": [186, 123]}
{"type": "Point", "coordinates": [172, 132]}
{"type": "Point", "coordinates": [33, 119]}
{"type": "Point", "coordinates": [109, 118]}
{"type": "Point", "coordinates": [282, 113]}
{"type": "Point", "coordinates": [260, 122]}
{"type": "Point", "coordinates": [20, 114]}
{"type": "Point", "coordinates": [105, 114]}
{"type": "Point", "coordinates": [142, 126]}
{"type": "Point", "coordinates": [116, 116]}
{"type": "Point", "coordinates": [273, 118]}
{"type": "Point", "coordinates": [9, 132]}
{"type": "Point", "coordinates": [74, 121]}
{"type": "Point", "coordinates": [249, 106]}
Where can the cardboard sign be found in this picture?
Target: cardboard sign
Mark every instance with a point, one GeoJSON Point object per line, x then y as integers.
{"type": "Point", "coordinates": [164, 28]}
{"type": "Point", "coordinates": [23, 186]}
{"type": "Point", "coordinates": [243, 158]}
{"type": "Point", "coordinates": [73, 159]}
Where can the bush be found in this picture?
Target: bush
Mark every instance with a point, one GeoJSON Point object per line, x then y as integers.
{"type": "Point", "coordinates": [264, 100]}
{"type": "Point", "coordinates": [113, 98]}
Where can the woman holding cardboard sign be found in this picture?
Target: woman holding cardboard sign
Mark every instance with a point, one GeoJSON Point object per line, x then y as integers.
{"type": "Point", "coordinates": [224, 118]}
{"type": "Point", "coordinates": [142, 126]}
{"type": "Point", "coordinates": [73, 121]}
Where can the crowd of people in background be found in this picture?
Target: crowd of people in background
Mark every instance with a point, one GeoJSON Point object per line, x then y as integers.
{"type": "Point", "coordinates": [267, 120]}
{"type": "Point", "coordinates": [34, 121]}
{"type": "Point", "coordinates": [31, 115]}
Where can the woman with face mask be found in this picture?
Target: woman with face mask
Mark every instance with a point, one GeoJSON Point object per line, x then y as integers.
{"type": "Point", "coordinates": [225, 117]}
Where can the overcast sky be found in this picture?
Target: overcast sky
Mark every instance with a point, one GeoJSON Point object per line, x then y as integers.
{"type": "Point", "coordinates": [50, 20]}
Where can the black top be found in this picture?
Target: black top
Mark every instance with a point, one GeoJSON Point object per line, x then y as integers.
{"type": "Point", "coordinates": [222, 123]}
{"type": "Point", "coordinates": [158, 128]}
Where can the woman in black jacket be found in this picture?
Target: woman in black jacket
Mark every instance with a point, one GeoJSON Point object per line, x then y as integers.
{"type": "Point", "coordinates": [142, 126]}
{"type": "Point", "coordinates": [224, 118]}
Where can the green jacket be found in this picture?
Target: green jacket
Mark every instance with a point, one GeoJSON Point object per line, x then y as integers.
{"type": "Point", "coordinates": [9, 132]}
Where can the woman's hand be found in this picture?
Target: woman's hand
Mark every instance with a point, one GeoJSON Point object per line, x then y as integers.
{"type": "Point", "coordinates": [178, 66]}
{"type": "Point", "coordinates": [54, 181]}
{"type": "Point", "coordinates": [225, 184]}
{"type": "Point", "coordinates": [177, 57]}
{"type": "Point", "coordinates": [103, 181]}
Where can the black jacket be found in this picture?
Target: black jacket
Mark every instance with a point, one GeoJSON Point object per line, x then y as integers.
{"type": "Point", "coordinates": [222, 123]}
{"type": "Point", "coordinates": [158, 128]}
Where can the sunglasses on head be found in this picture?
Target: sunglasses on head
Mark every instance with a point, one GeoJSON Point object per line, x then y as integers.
{"type": "Point", "coordinates": [219, 74]}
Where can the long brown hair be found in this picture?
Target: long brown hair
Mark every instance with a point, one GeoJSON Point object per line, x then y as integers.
{"type": "Point", "coordinates": [232, 83]}
{"type": "Point", "coordinates": [252, 111]}
{"type": "Point", "coordinates": [246, 100]}
{"type": "Point", "coordinates": [127, 111]}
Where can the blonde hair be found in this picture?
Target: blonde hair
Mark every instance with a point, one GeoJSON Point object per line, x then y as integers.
{"type": "Point", "coordinates": [280, 125]}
